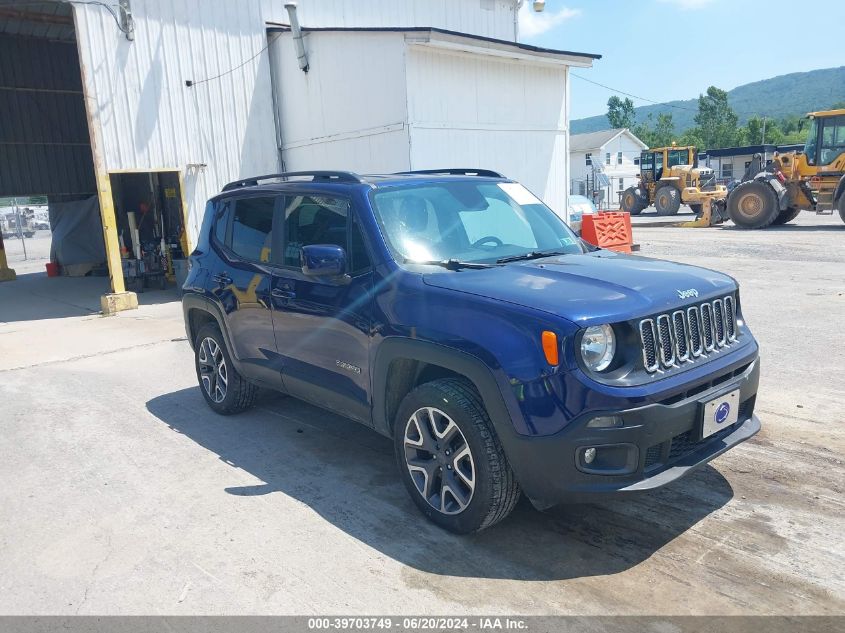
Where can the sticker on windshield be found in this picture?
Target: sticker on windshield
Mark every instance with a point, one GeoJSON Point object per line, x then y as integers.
{"type": "Point", "coordinates": [567, 241]}
{"type": "Point", "coordinates": [518, 193]}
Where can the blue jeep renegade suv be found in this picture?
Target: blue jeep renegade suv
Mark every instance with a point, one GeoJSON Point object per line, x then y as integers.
{"type": "Point", "coordinates": [456, 313]}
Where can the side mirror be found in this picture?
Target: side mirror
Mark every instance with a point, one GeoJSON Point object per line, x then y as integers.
{"type": "Point", "coordinates": [323, 260]}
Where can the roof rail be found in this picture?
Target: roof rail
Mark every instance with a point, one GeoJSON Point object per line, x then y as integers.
{"type": "Point", "coordinates": [486, 173]}
{"type": "Point", "coordinates": [336, 176]}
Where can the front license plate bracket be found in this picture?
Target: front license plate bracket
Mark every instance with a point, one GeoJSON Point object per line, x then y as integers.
{"type": "Point", "coordinates": [719, 413]}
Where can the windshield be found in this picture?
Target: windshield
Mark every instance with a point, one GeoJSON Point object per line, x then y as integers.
{"type": "Point", "coordinates": [812, 139]}
{"type": "Point", "coordinates": [468, 222]}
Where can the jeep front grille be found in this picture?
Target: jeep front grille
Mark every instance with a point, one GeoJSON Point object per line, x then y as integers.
{"type": "Point", "coordinates": [672, 339]}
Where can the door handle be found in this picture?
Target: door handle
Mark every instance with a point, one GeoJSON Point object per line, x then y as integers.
{"type": "Point", "coordinates": [283, 294]}
{"type": "Point", "coordinates": [223, 279]}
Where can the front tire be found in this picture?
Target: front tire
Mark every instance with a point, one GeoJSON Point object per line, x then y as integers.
{"type": "Point", "coordinates": [787, 215]}
{"type": "Point", "coordinates": [223, 388]}
{"type": "Point", "coordinates": [667, 200]}
{"type": "Point", "coordinates": [450, 459]}
{"type": "Point", "coordinates": [753, 205]}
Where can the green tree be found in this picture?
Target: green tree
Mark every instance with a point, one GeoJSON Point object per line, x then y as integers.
{"type": "Point", "coordinates": [620, 112]}
{"type": "Point", "coordinates": [717, 122]}
{"type": "Point", "coordinates": [794, 129]}
{"type": "Point", "coordinates": [791, 124]}
{"type": "Point", "coordinates": [693, 137]}
{"type": "Point", "coordinates": [658, 133]}
{"type": "Point", "coordinates": [760, 131]}
{"type": "Point", "coordinates": [664, 130]}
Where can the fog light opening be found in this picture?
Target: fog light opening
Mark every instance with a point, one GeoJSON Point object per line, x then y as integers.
{"type": "Point", "coordinates": [605, 422]}
{"type": "Point", "coordinates": [589, 455]}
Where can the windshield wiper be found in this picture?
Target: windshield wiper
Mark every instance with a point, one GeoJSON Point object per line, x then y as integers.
{"type": "Point", "coordinates": [531, 255]}
{"type": "Point", "coordinates": [449, 264]}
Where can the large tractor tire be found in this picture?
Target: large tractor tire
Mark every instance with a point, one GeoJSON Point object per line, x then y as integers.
{"type": "Point", "coordinates": [787, 215]}
{"type": "Point", "coordinates": [842, 207]}
{"type": "Point", "coordinates": [753, 205]}
{"type": "Point", "coordinates": [667, 200]}
{"type": "Point", "coordinates": [634, 200]}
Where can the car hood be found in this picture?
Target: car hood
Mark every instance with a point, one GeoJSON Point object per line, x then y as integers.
{"type": "Point", "coordinates": [600, 287]}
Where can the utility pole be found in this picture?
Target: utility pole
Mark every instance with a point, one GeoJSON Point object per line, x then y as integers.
{"type": "Point", "coordinates": [20, 226]}
{"type": "Point", "coordinates": [764, 131]}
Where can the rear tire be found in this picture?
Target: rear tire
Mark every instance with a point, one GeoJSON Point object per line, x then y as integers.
{"type": "Point", "coordinates": [633, 201]}
{"type": "Point", "coordinates": [787, 215]}
{"type": "Point", "coordinates": [842, 207]}
{"type": "Point", "coordinates": [753, 205]}
{"type": "Point", "coordinates": [667, 200]}
{"type": "Point", "coordinates": [223, 388]}
{"type": "Point", "coordinates": [444, 439]}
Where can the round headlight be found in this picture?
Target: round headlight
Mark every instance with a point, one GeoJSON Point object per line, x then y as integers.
{"type": "Point", "coordinates": [598, 345]}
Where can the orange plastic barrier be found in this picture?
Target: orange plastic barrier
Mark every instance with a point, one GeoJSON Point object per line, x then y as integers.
{"type": "Point", "coordinates": [609, 229]}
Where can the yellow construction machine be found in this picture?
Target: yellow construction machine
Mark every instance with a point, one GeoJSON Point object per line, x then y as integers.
{"type": "Point", "coordinates": [669, 177]}
{"type": "Point", "coordinates": [813, 179]}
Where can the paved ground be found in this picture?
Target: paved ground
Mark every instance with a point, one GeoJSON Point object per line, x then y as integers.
{"type": "Point", "coordinates": [30, 254]}
{"type": "Point", "coordinates": [122, 493]}
{"type": "Point", "coordinates": [649, 216]}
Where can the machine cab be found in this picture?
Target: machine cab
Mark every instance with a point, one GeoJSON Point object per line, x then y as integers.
{"type": "Point", "coordinates": [826, 138]}
{"type": "Point", "coordinates": [652, 161]}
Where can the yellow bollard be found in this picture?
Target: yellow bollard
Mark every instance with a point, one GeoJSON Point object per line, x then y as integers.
{"type": "Point", "coordinates": [6, 273]}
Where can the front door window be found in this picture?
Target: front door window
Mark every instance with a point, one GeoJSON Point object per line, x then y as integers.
{"type": "Point", "coordinates": [323, 325]}
{"type": "Point", "coordinates": [832, 139]}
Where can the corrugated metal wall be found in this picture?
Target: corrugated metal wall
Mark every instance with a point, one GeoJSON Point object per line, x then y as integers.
{"type": "Point", "coordinates": [490, 18]}
{"type": "Point", "coordinates": [349, 111]}
{"type": "Point", "coordinates": [147, 118]}
{"type": "Point", "coordinates": [480, 111]}
{"type": "Point", "coordinates": [378, 102]}
{"type": "Point", "coordinates": [44, 142]}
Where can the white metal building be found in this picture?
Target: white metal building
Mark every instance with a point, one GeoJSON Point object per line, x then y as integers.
{"type": "Point", "coordinates": [193, 95]}
{"type": "Point", "coordinates": [730, 163]}
{"type": "Point", "coordinates": [423, 98]}
{"type": "Point", "coordinates": [613, 153]}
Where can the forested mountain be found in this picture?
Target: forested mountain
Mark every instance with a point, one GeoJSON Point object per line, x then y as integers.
{"type": "Point", "coordinates": [779, 97]}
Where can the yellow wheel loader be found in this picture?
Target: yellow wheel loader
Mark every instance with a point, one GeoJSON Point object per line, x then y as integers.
{"type": "Point", "coordinates": [669, 177]}
{"type": "Point", "coordinates": [813, 179]}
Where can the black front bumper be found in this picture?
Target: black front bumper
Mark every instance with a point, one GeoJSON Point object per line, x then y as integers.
{"type": "Point", "coordinates": [662, 443]}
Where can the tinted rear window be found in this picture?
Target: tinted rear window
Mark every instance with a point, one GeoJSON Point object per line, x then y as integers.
{"type": "Point", "coordinates": [252, 225]}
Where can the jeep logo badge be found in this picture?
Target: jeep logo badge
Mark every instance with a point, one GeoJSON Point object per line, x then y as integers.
{"type": "Point", "coordinates": [687, 294]}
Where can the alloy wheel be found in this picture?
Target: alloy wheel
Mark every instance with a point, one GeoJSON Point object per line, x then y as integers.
{"type": "Point", "coordinates": [439, 460]}
{"type": "Point", "coordinates": [751, 205]}
{"type": "Point", "coordinates": [213, 371]}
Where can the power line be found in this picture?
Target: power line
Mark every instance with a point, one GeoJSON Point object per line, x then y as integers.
{"type": "Point", "coordinates": [666, 104]}
{"type": "Point", "coordinates": [191, 83]}
{"type": "Point", "coordinates": [633, 96]}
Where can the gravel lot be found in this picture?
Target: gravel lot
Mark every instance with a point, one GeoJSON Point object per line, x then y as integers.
{"type": "Point", "coordinates": [123, 494]}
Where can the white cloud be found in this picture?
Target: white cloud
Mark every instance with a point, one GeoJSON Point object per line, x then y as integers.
{"type": "Point", "coordinates": [532, 24]}
{"type": "Point", "coordinates": [689, 5]}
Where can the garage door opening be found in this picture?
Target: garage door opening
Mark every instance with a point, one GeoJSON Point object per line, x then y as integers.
{"type": "Point", "coordinates": [150, 215]}
{"type": "Point", "coordinates": [46, 161]}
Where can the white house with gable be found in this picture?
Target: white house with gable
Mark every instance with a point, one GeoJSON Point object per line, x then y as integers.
{"type": "Point", "coordinates": [604, 164]}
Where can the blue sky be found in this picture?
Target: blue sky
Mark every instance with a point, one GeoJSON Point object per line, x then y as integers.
{"type": "Point", "coordinates": [726, 43]}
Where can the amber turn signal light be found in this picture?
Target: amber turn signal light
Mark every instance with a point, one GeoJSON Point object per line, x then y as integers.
{"type": "Point", "coordinates": [551, 348]}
